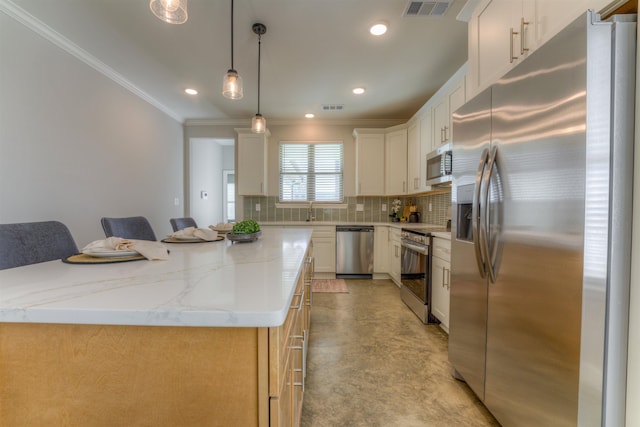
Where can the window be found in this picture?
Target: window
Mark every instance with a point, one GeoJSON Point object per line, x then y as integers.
{"type": "Point", "coordinates": [311, 172]}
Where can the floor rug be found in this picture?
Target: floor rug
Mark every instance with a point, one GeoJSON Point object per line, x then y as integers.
{"type": "Point", "coordinates": [330, 286]}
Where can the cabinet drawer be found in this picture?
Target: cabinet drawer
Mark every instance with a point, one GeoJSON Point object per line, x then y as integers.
{"type": "Point", "coordinates": [282, 338]}
{"type": "Point", "coordinates": [442, 249]}
{"type": "Point", "coordinates": [324, 231]}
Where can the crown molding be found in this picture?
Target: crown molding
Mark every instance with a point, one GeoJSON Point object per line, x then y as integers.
{"type": "Point", "coordinates": [48, 33]}
{"type": "Point", "coordinates": [298, 122]}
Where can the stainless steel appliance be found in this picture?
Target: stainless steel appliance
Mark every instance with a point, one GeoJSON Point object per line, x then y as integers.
{"type": "Point", "coordinates": [354, 251]}
{"type": "Point", "coordinates": [439, 165]}
{"type": "Point", "coordinates": [541, 196]}
{"type": "Point", "coordinates": [415, 272]}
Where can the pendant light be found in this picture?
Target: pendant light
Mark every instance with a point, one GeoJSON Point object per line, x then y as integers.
{"type": "Point", "coordinates": [259, 123]}
{"type": "Point", "coordinates": [171, 11]}
{"type": "Point", "coordinates": [232, 82]}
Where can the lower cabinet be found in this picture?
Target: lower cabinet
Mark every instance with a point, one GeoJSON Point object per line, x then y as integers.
{"type": "Point", "coordinates": [441, 280]}
{"type": "Point", "coordinates": [324, 249]}
{"type": "Point", "coordinates": [394, 255]}
{"type": "Point", "coordinates": [381, 249]}
{"type": "Point", "coordinates": [323, 239]}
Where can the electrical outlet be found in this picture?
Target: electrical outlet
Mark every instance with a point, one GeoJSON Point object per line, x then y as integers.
{"type": "Point", "coordinates": [359, 207]}
{"type": "Point", "coordinates": [384, 207]}
{"type": "Point", "coordinates": [257, 207]}
{"type": "Point", "coordinates": [430, 207]}
{"type": "Point", "coordinates": [176, 202]}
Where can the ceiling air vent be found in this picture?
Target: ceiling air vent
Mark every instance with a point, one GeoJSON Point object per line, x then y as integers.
{"type": "Point", "coordinates": [427, 8]}
{"type": "Point", "coordinates": [332, 107]}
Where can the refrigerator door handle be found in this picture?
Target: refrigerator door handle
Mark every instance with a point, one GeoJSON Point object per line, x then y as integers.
{"type": "Point", "coordinates": [476, 213]}
{"type": "Point", "coordinates": [484, 215]}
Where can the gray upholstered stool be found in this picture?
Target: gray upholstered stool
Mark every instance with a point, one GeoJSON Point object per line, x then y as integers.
{"type": "Point", "coordinates": [181, 223]}
{"type": "Point", "coordinates": [33, 242]}
{"type": "Point", "coordinates": [135, 227]}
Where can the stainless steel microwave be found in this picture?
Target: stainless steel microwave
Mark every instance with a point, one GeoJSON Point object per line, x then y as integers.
{"type": "Point", "coordinates": [439, 166]}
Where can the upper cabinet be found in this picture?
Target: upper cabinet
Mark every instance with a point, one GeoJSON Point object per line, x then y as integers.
{"type": "Point", "coordinates": [504, 32]}
{"type": "Point", "coordinates": [453, 97]}
{"type": "Point", "coordinates": [414, 151]}
{"type": "Point", "coordinates": [426, 144]}
{"type": "Point", "coordinates": [252, 163]}
{"type": "Point", "coordinates": [396, 161]}
{"type": "Point", "coordinates": [369, 161]}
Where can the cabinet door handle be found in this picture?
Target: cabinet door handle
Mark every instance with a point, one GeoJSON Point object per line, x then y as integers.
{"type": "Point", "coordinates": [511, 57]}
{"type": "Point", "coordinates": [523, 49]}
{"type": "Point", "coordinates": [446, 138]}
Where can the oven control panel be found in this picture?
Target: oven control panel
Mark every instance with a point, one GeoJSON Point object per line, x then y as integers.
{"type": "Point", "coordinates": [414, 237]}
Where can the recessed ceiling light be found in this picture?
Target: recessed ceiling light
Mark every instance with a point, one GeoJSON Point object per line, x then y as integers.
{"type": "Point", "coordinates": [309, 115]}
{"type": "Point", "coordinates": [358, 90]}
{"type": "Point", "coordinates": [378, 29]}
{"type": "Point", "coordinates": [191, 91]}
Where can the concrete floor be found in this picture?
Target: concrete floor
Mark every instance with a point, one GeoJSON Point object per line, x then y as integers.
{"type": "Point", "coordinates": [371, 362]}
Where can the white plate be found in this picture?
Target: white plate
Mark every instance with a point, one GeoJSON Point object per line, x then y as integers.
{"type": "Point", "coordinates": [111, 254]}
{"type": "Point", "coordinates": [186, 239]}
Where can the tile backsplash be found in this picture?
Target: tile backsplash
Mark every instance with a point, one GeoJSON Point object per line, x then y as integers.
{"type": "Point", "coordinates": [372, 209]}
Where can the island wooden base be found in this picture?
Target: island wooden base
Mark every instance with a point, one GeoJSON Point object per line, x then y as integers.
{"type": "Point", "coordinates": [91, 375]}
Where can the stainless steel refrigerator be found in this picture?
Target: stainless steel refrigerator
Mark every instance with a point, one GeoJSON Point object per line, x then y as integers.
{"type": "Point", "coordinates": [541, 206]}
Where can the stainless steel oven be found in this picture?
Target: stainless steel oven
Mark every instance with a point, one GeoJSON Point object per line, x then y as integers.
{"type": "Point", "coordinates": [415, 273]}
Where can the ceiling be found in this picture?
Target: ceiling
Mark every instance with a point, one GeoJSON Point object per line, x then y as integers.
{"type": "Point", "coordinates": [313, 53]}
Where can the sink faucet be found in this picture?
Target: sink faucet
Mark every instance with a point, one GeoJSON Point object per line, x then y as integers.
{"type": "Point", "coordinates": [310, 216]}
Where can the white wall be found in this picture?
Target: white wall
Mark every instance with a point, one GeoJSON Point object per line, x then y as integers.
{"type": "Point", "coordinates": [75, 146]}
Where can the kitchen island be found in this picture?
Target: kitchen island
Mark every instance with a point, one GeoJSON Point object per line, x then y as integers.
{"type": "Point", "coordinates": [216, 335]}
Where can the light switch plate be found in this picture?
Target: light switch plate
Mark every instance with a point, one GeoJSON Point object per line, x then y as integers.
{"type": "Point", "coordinates": [204, 195]}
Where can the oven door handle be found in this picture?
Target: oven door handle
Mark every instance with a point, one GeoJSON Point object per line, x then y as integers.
{"type": "Point", "coordinates": [416, 248]}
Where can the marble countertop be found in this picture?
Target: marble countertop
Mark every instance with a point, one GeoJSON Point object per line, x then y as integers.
{"type": "Point", "coordinates": [211, 284]}
{"type": "Point", "coordinates": [333, 223]}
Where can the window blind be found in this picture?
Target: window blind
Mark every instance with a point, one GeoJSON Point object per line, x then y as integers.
{"type": "Point", "coordinates": [311, 172]}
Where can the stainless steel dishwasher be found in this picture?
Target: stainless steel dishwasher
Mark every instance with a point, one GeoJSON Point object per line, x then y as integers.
{"type": "Point", "coordinates": [354, 251]}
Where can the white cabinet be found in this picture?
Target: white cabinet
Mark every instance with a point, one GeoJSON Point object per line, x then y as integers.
{"type": "Point", "coordinates": [381, 249]}
{"type": "Point", "coordinates": [324, 249]}
{"type": "Point", "coordinates": [323, 238]}
{"type": "Point", "coordinates": [443, 107]}
{"type": "Point", "coordinates": [394, 255]}
{"type": "Point", "coordinates": [413, 156]}
{"type": "Point", "coordinates": [504, 32]}
{"type": "Point", "coordinates": [441, 280]}
{"type": "Point", "coordinates": [426, 144]}
{"type": "Point", "coordinates": [369, 161]}
{"type": "Point", "coordinates": [251, 173]}
{"type": "Point", "coordinates": [396, 162]}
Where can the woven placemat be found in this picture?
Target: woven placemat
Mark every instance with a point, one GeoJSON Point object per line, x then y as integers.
{"type": "Point", "coordinates": [174, 240]}
{"type": "Point", "coordinates": [87, 259]}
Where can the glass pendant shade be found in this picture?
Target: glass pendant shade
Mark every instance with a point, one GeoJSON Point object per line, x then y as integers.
{"type": "Point", "coordinates": [258, 124]}
{"type": "Point", "coordinates": [171, 11]}
{"type": "Point", "coordinates": [232, 85]}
